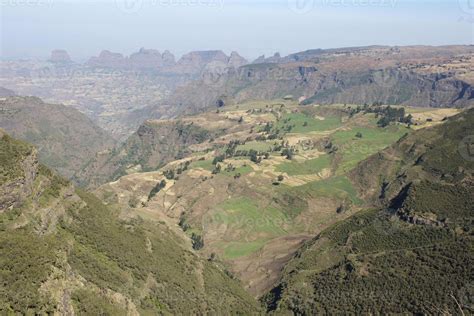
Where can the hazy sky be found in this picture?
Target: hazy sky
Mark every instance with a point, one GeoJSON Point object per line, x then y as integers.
{"type": "Point", "coordinates": [32, 28]}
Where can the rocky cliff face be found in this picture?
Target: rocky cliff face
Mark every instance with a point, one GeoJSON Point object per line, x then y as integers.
{"type": "Point", "coordinates": [236, 61]}
{"type": "Point", "coordinates": [107, 59]}
{"type": "Point", "coordinates": [18, 175]}
{"type": "Point", "coordinates": [60, 56]}
{"type": "Point", "coordinates": [416, 76]}
{"type": "Point", "coordinates": [146, 58]}
{"type": "Point", "coordinates": [192, 63]}
{"type": "Point", "coordinates": [168, 58]}
{"type": "Point", "coordinates": [393, 86]}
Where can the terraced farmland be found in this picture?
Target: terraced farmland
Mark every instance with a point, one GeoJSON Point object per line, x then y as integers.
{"type": "Point", "coordinates": [271, 180]}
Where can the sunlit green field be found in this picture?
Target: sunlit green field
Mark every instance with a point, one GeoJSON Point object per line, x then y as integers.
{"type": "Point", "coordinates": [302, 123]}
{"type": "Point", "coordinates": [309, 166]}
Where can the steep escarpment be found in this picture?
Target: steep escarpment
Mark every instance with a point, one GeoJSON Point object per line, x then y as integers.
{"type": "Point", "coordinates": [416, 76]}
{"type": "Point", "coordinates": [63, 251]}
{"type": "Point", "coordinates": [152, 145]}
{"type": "Point", "coordinates": [394, 86]}
{"type": "Point", "coordinates": [190, 64]}
{"type": "Point", "coordinates": [66, 139]}
{"type": "Point", "coordinates": [17, 174]}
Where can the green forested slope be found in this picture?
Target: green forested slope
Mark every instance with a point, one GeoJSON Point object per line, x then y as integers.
{"type": "Point", "coordinates": [63, 250]}
{"type": "Point", "coordinates": [414, 253]}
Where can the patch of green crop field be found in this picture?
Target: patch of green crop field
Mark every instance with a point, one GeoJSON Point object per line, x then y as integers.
{"type": "Point", "coordinates": [204, 164]}
{"type": "Point", "coordinates": [354, 149]}
{"type": "Point", "coordinates": [236, 250]}
{"type": "Point", "coordinates": [337, 187]}
{"type": "Point", "coordinates": [260, 104]}
{"type": "Point", "coordinates": [244, 214]}
{"type": "Point", "coordinates": [246, 220]}
{"type": "Point", "coordinates": [309, 166]}
{"type": "Point", "coordinates": [257, 146]}
{"type": "Point", "coordinates": [242, 170]}
{"type": "Point", "coordinates": [301, 123]}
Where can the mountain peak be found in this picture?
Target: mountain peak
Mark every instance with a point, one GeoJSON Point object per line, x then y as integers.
{"type": "Point", "coordinates": [60, 56]}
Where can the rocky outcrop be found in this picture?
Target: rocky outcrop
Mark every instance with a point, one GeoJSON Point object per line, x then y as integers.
{"type": "Point", "coordinates": [414, 76]}
{"type": "Point", "coordinates": [4, 92]}
{"type": "Point", "coordinates": [146, 58]}
{"type": "Point", "coordinates": [393, 86]}
{"type": "Point", "coordinates": [195, 62]}
{"type": "Point", "coordinates": [60, 56]}
{"type": "Point", "coordinates": [259, 60]}
{"type": "Point", "coordinates": [15, 190]}
{"type": "Point", "coordinates": [236, 61]}
{"type": "Point", "coordinates": [107, 59]}
{"type": "Point", "coordinates": [168, 59]}
{"type": "Point", "coordinates": [192, 63]}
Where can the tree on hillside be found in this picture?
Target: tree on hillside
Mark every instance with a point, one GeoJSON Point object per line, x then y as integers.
{"type": "Point", "coordinates": [288, 152]}
{"type": "Point", "coordinates": [197, 241]}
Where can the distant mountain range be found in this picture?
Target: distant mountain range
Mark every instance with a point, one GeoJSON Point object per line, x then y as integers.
{"type": "Point", "coordinates": [413, 75]}
{"type": "Point", "coordinates": [152, 60]}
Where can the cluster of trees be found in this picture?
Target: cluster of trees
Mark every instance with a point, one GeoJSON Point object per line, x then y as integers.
{"type": "Point", "coordinates": [278, 180]}
{"type": "Point", "coordinates": [386, 114]}
{"type": "Point", "coordinates": [387, 267]}
{"type": "Point", "coordinates": [421, 281]}
{"type": "Point", "coordinates": [288, 153]}
{"type": "Point", "coordinates": [157, 188]}
{"type": "Point", "coordinates": [171, 174]}
{"type": "Point", "coordinates": [197, 241]}
{"type": "Point", "coordinates": [254, 155]}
